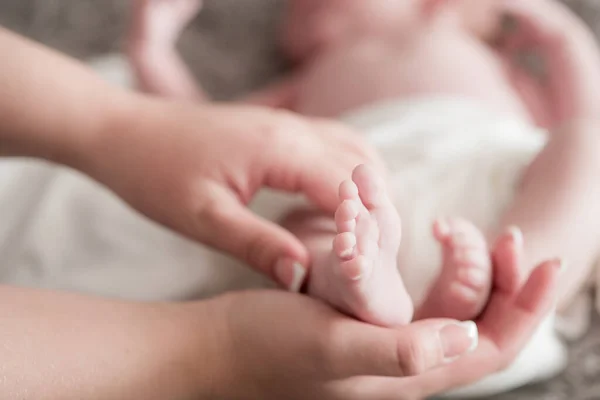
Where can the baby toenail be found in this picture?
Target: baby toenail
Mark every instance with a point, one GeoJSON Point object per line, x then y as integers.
{"type": "Point", "coordinates": [347, 253]}
{"type": "Point", "coordinates": [516, 234]}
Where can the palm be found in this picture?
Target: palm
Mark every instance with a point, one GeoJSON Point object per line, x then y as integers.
{"type": "Point", "coordinates": [512, 315]}
{"type": "Point", "coordinates": [506, 325]}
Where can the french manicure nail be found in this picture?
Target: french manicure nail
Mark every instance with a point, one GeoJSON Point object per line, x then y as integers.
{"type": "Point", "coordinates": [298, 275]}
{"type": "Point", "coordinates": [458, 339]}
{"type": "Point", "coordinates": [290, 274]}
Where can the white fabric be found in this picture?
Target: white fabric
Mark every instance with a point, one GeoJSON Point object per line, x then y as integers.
{"type": "Point", "coordinates": [451, 157]}
{"type": "Point", "coordinates": [448, 157]}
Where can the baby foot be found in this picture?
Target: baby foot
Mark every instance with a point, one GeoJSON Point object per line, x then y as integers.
{"type": "Point", "coordinates": [463, 286]}
{"type": "Point", "coordinates": [160, 22]}
{"type": "Point", "coordinates": [360, 276]}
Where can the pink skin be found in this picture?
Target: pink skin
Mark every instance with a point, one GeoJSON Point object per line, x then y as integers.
{"type": "Point", "coordinates": [359, 275]}
{"type": "Point", "coordinates": [154, 30]}
{"type": "Point", "coordinates": [362, 261]}
{"type": "Point", "coordinates": [463, 286]}
{"type": "Point", "coordinates": [408, 49]}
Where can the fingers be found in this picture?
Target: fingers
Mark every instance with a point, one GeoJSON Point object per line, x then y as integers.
{"type": "Point", "coordinates": [228, 225]}
{"type": "Point", "coordinates": [506, 326]}
{"type": "Point", "coordinates": [314, 157]}
{"type": "Point", "coordinates": [538, 291]}
{"type": "Point", "coordinates": [365, 350]}
{"type": "Point", "coordinates": [508, 258]}
{"type": "Point", "coordinates": [321, 188]}
{"type": "Point", "coordinates": [509, 329]}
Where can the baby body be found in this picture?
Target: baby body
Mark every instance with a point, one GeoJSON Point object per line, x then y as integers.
{"type": "Point", "coordinates": [392, 51]}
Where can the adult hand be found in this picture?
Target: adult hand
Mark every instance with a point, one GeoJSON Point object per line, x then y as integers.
{"type": "Point", "coordinates": [280, 345]}
{"type": "Point", "coordinates": [245, 345]}
{"type": "Point", "coordinates": [194, 168]}
{"type": "Point", "coordinates": [568, 61]}
{"type": "Point", "coordinates": [190, 167]}
{"type": "Point", "coordinates": [513, 313]}
{"type": "Point", "coordinates": [285, 346]}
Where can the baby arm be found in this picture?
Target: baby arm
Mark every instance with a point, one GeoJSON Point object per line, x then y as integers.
{"type": "Point", "coordinates": [155, 28]}
{"type": "Point", "coordinates": [558, 202]}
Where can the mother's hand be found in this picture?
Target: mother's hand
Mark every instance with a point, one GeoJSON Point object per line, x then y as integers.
{"type": "Point", "coordinates": [194, 168]}
{"type": "Point", "coordinates": [513, 313]}
{"type": "Point", "coordinates": [282, 345]}
{"type": "Point", "coordinates": [279, 345]}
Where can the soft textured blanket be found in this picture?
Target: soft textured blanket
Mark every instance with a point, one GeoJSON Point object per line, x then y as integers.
{"type": "Point", "coordinates": [232, 49]}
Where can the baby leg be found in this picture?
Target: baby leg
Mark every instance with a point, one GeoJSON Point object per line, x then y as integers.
{"type": "Point", "coordinates": [155, 28]}
{"type": "Point", "coordinates": [354, 265]}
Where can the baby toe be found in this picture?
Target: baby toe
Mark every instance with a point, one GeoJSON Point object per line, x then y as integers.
{"type": "Point", "coordinates": [344, 245]}
{"type": "Point", "coordinates": [348, 191]}
{"type": "Point", "coordinates": [370, 186]}
{"type": "Point", "coordinates": [345, 216]}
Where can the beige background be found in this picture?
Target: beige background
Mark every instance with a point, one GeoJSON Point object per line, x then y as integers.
{"type": "Point", "coordinates": [232, 49]}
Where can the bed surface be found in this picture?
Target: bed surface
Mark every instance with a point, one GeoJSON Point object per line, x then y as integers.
{"type": "Point", "coordinates": [232, 49]}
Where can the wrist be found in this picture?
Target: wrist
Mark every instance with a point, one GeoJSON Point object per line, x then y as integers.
{"type": "Point", "coordinates": [186, 355]}
{"type": "Point", "coordinates": [90, 149]}
{"type": "Point", "coordinates": [205, 350]}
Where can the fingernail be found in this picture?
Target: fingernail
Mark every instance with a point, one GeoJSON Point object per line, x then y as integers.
{"type": "Point", "coordinates": [561, 264]}
{"type": "Point", "coordinates": [458, 339]}
{"type": "Point", "coordinates": [290, 274]}
{"type": "Point", "coordinates": [516, 234]}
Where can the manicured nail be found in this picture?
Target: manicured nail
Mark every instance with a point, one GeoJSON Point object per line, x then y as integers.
{"type": "Point", "coordinates": [458, 339]}
{"type": "Point", "coordinates": [290, 274]}
{"type": "Point", "coordinates": [298, 275]}
{"type": "Point", "coordinates": [516, 234]}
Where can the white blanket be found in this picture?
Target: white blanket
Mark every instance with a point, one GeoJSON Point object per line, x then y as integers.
{"type": "Point", "coordinates": [451, 157]}
{"type": "Point", "coordinates": [448, 157]}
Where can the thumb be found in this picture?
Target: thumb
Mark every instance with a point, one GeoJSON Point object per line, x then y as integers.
{"type": "Point", "coordinates": [230, 226]}
{"type": "Point", "coordinates": [406, 351]}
